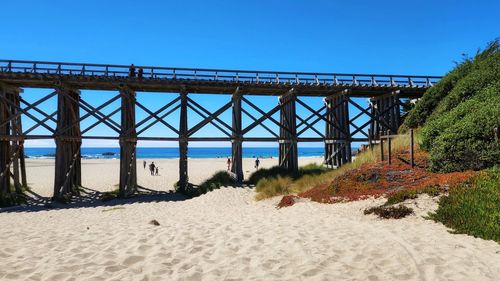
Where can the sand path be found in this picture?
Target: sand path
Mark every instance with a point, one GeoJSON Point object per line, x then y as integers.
{"type": "Point", "coordinates": [226, 235]}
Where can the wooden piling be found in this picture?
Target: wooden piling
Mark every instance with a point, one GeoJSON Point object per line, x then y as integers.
{"type": "Point", "coordinates": [337, 130]}
{"type": "Point", "coordinates": [237, 138]}
{"type": "Point", "coordinates": [128, 144]}
{"type": "Point", "coordinates": [288, 157]}
{"type": "Point", "coordinates": [68, 142]}
{"type": "Point", "coordinates": [183, 142]}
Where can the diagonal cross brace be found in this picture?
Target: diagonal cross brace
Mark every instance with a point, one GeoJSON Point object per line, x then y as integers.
{"type": "Point", "coordinates": [209, 113]}
{"type": "Point", "coordinates": [209, 118]}
{"type": "Point", "coordinates": [205, 117]}
{"type": "Point", "coordinates": [265, 116]}
{"type": "Point", "coordinates": [89, 113]}
{"type": "Point", "coordinates": [155, 114]}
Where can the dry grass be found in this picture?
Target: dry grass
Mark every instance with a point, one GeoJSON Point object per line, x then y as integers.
{"type": "Point", "coordinates": [274, 187]}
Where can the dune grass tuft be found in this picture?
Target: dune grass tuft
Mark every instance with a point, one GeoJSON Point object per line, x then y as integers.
{"type": "Point", "coordinates": [274, 186]}
{"type": "Point", "coordinates": [314, 175]}
{"type": "Point", "coordinates": [220, 178]}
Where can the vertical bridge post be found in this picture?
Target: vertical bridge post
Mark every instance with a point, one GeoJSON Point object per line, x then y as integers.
{"type": "Point", "coordinates": [68, 143]}
{"type": "Point", "coordinates": [288, 156]}
{"type": "Point", "coordinates": [386, 114]}
{"type": "Point", "coordinates": [237, 138]}
{"type": "Point", "coordinates": [11, 145]}
{"type": "Point", "coordinates": [337, 131]}
{"type": "Point", "coordinates": [183, 142]}
{"type": "Point", "coordinates": [128, 144]}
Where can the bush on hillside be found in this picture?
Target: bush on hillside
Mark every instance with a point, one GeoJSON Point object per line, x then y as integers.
{"type": "Point", "coordinates": [463, 138]}
{"type": "Point", "coordinates": [485, 73]}
{"type": "Point", "coordinates": [426, 105]}
{"type": "Point", "coordinates": [462, 82]}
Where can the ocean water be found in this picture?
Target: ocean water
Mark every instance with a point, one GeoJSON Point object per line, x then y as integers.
{"type": "Point", "coordinates": [172, 152]}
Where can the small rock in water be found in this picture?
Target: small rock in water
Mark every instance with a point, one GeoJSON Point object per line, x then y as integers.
{"type": "Point", "coordinates": [154, 222]}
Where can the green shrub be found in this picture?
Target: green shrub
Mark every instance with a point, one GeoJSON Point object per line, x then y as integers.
{"type": "Point", "coordinates": [268, 173]}
{"type": "Point", "coordinates": [220, 178]}
{"type": "Point", "coordinates": [13, 197]}
{"type": "Point", "coordinates": [390, 212]}
{"type": "Point", "coordinates": [460, 83]}
{"type": "Point", "coordinates": [426, 105]}
{"type": "Point", "coordinates": [473, 208]}
{"type": "Point", "coordinates": [404, 195]}
{"type": "Point", "coordinates": [463, 138]}
{"type": "Point", "coordinates": [485, 72]}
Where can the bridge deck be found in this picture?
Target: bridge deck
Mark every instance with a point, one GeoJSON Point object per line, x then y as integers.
{"type": "Point", "coordinates": [38, 74]}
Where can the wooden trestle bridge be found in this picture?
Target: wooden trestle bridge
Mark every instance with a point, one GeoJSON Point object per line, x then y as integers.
{"type": "Point", "coordinates": [67, 79]}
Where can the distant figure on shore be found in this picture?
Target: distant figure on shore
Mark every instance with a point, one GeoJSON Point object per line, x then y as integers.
{"type": "Point", "coordinates": [140, 72]}
{"type": "Point", "coordinates": [152, 168]}
{"type": "Point", "coordinates": [144, 164]}
{"type": "Point", "coordinates": [131, 71]}
{"type": "Point", "coordinates": [257, 162]}
{"type": "Point", "coordinates": [156, 172]}
{"type": "Point", "coordinates": [228, 163]}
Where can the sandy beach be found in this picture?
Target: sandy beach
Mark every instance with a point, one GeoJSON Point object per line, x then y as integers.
{"type": "Point", "coordinates": [103, 174]}
{"type": "Point", "coordinates": [227, 235]}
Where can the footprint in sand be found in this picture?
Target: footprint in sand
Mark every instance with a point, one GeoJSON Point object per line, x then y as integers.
{"type": "Point", "coordinates": [132, 260]}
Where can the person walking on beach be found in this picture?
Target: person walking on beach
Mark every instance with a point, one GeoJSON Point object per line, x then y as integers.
{"type": "Point", "coordinates": [257, 162]}
{"type": "Point", "coordinates": [144, 164]}
{"type": "Point", "coordinates": [156, 172]}
{"type": "Point", "coordinates": [152, 168]}
{"type": "Point", "coordinates": [228, 163]}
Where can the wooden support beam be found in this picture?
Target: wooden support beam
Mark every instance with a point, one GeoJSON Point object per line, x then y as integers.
{"type": "Point", "coordinates": [237, 138]}
{"type": "Point", "coordinates": [11, 146]}
{"type": "Point", "coordinates": [128, 143]}
{"type": "Point", "coordinates": [68, 158]}
{"type": "Point", "coordinates": [5, 192]}
{"type": "Point", "coordinates": [288, 156]}
{"type": "Point", "coordinates": [183, 142]}
{"type": "Point", "coordinates": [338, 128]}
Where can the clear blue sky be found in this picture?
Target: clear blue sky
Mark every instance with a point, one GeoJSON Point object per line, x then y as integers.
{"type": "Point", "coordinates": [399, 37]}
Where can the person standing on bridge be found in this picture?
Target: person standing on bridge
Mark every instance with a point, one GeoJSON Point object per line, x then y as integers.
{"type": "Point", "coordinates": [140, 73]}
{"type": "Point", "coordinates": [131, 71]}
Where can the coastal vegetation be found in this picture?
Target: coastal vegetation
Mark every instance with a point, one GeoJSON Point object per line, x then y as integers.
{"type": "Point", "coordinates": [460, 114]}
{"type": "Point", "coordinates": [220, 178]}
{"type": "Point", "coordinates": [457, 124]}
{"type": "Point", "coordinates": [473, 207]}
{"type": "Point", "coordinates": [270, 185]}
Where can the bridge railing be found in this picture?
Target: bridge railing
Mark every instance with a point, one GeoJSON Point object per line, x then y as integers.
{"type": "Point", "coordinates": [246, 76]}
